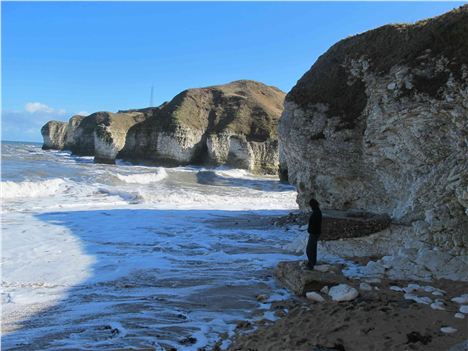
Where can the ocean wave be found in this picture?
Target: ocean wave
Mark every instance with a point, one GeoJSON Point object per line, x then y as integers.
{"type": "Point", "coordinates": [11, 190]}
{"type": "Point", "coordinates": [143, 178]}
{"type": "Point", "coordinates": [131, 197]}
{"type": "Point", "coordinates": [232, 172]}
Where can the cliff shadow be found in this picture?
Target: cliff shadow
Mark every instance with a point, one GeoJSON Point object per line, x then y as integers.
{"type": "Point", "coordinates": [158, 278]}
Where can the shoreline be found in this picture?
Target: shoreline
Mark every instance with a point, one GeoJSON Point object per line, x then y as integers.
{"type": "Point", "coordinates": [378, 319]}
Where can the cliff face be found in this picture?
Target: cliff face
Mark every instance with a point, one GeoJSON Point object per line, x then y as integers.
{"type": "Point", "coordinates": [380, 123]}
{"type": "Point", "coordinates": [231, 124]}
{"type": "Point", "coordinates": [54, 134]}
{"type": "Point", "coordinates": [109, 135]}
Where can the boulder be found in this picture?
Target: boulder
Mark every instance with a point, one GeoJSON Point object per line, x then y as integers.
{"type": "Point", "coordinates": [294, 276]}
{"type": "Point", "coordinates": [379, 123]}
{"type": "Point", "coordinates": [343, 292]}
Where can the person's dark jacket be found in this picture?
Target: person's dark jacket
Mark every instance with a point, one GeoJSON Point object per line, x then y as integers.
{"type": "Point", "coordinates": [315, 222]}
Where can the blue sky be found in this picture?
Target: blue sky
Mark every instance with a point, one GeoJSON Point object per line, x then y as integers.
{"type": "Point", "coordinates": [61, 58]}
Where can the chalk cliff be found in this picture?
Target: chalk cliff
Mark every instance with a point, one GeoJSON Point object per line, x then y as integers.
{"type": "Point", "coordinates": [54, 134]}
{"type": "Point", "coordinates": [380, 123]}
{"type": "Point", "coordinates": [233, 124]}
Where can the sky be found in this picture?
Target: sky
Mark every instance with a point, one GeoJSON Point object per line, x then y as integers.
{"type": "Point", "coordinates": [66, 58]}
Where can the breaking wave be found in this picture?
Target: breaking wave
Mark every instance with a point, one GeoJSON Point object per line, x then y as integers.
{"type": "Point", "coordinates": [12, 190]}
{"type": "Point", "coordinates": [144, 178]}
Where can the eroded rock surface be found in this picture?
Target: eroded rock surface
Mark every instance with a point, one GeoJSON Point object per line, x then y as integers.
{"type": "Point", "coordinates": [54, 134]}
{"type": "Point", "coordinates": [380, 123]}
{"type": "Point", "coordinates": [232, 124]}
{"type": "Point", "coordinates": [111, 133]}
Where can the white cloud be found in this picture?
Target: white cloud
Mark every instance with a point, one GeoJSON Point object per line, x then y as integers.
{"type": "Point", "coordinates": [38, 107]}
{"type": "Point", "coordinates": [83, 113]}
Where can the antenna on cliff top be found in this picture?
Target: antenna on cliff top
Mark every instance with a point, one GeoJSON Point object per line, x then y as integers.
{"type": "Point", "coordinates": [151, 96]}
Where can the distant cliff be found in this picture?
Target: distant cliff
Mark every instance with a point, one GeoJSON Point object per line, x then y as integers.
{"type": "Point", "coordinates": [233, 124]}
{"type": "Point", "coordinates": [380, 123]}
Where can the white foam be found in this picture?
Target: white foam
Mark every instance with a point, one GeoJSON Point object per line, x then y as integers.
{"type": "Point", "coordinates": [143, 178]}
{"type": "Point", "coordinates": [11, 190]}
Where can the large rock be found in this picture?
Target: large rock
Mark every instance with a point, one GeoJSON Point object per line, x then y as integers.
{"type": "Point", "coordinates": [294, 276]}
{"type": "Point", "coordinates": [110, 134]}
{"type": "Point", "coordinates": [232, 124]}
{"type": "Point", "coordinates": [380, 123]}
{"type": "Point", "coordinates": [54, 134]}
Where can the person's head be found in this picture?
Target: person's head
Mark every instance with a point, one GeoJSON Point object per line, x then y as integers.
{"type": "Point", "coordinates": [314, 204]}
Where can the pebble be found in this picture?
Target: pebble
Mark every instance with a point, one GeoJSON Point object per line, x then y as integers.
{"type": "Point", "coordinates": [438, 306]}
{"type": "Point", "coordinates": [419, 299]}
{"type": "Point", "coordinates": [411, 288]}
{"type": "Point", "coordinates": [461, 299]}
{"type": "Point", "coordinates": [314, 296]}
{"type": "Point", "coordinates": [261, 297]}
{"type": "Point", "coordinates": [396, 288]}
{"type": "Point", "coordinates": [448, 330]}
{"type": "Point", "coordinates": [365, 287]}
{"type": "Point", "coordinates": [464, 309]}
{"type": "Point", "coordinates": [343, 292]}
{"type": "Point", "coordinates": [459, 315]}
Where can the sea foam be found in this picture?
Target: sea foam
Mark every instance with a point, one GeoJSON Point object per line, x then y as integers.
{"type": "Point", "coordinates": [11, 190]}
{"type": "Point", "coordinates": [144, 178]}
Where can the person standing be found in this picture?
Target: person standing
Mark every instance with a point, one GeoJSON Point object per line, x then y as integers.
{"type": "Point", "coordinates": [314, 229]}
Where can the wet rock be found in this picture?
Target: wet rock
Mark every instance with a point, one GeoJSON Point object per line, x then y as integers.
{"type": "Point", "coordinates": [262, 297]}
{"type": "Point", "coordinates": [190, 340]}
{"type": "Point", "coordinates": [294, 276]}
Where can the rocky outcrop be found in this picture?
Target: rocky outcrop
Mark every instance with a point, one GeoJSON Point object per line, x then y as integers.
{"type": "Point", "coordinates": [54, 134]}
{"type": "Point", "coordinates": [110, 134]}
{"type": "Point", "coordinates": [232, 124]}
{"type": "Point", "coordinates": [73, 124]}
{"type": "Point", "coordinates": [380, 123]}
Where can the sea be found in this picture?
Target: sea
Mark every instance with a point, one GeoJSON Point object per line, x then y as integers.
{"type": "Point", "coordinates": [129, 256]}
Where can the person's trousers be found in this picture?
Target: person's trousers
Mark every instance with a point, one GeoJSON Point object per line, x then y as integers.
{"type": "Point", "coordinates": [312, 250]}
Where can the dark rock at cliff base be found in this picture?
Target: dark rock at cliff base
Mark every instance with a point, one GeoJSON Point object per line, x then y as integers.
{"type": "Point", "coordinates": [379, 123]}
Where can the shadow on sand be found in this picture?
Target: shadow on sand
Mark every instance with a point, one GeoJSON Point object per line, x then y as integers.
{"type": "Point", "coordinates": [160, 278]}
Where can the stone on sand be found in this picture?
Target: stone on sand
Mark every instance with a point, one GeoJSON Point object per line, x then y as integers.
{"type": "Point", "coordinates": [314, 296]}
{"type": "Point", "coordinates": [448, 330]}
{"type": "Point", "coordinates": [365, 287]}
{"type": "Point", "coordinates": [459, 315]}
{"type": "Point", "coordinates": [463, 299]}
{"type": "Point", "coordinates": [343, 292]}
